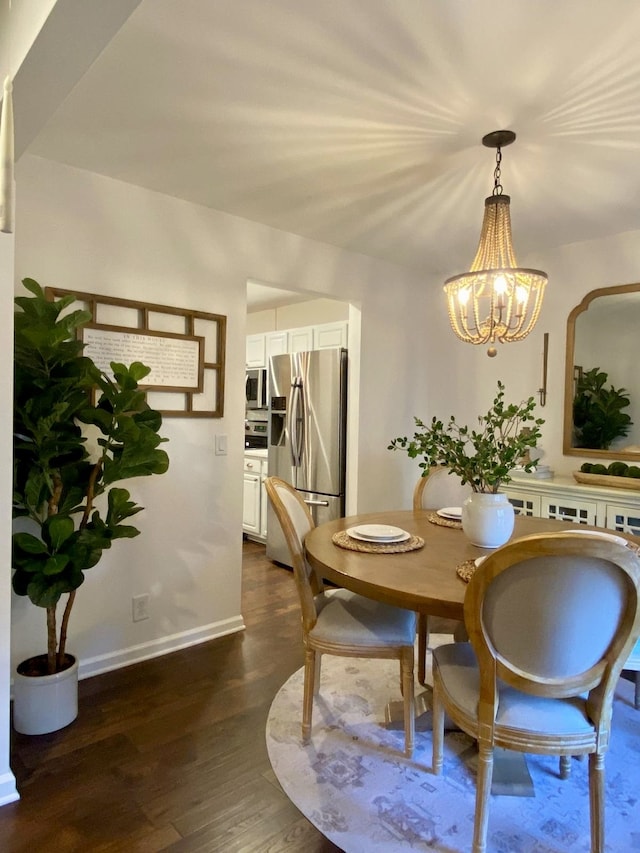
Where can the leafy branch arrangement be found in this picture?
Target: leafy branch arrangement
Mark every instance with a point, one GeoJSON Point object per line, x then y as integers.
{"type": "Point", "coordinates": [56, 480]}
{"type": "Point", "coordinates": [483, 457]}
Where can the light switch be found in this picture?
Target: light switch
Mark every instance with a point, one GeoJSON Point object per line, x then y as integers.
{"type": "Point", "coordinates": [221, 445]}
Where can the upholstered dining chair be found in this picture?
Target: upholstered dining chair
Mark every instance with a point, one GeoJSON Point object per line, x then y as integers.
{"type": "Point", "coordinates": [437, 489]}
{"type": "Point", "coordinates": [551, 620]}
{"type": "Point", "coordinates": [337, 621]}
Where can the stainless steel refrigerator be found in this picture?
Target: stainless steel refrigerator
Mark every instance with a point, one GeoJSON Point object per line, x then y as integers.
{"type": "Point", "coordinates": [307, 435]}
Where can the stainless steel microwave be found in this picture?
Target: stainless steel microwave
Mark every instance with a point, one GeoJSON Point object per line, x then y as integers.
{"type": "Point", "coordinates": [256, 388]}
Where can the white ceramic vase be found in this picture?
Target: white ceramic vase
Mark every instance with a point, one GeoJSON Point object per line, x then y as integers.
{"type": "Point", "coordinates": [45, 703]}
{"type": "Point", "coordinates": [487, 519]}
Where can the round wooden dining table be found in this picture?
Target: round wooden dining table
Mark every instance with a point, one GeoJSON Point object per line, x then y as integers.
{"type": "Point", "coordinates": [424, 580]}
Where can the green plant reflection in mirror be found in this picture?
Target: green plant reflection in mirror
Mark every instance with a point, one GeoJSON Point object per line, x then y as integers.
{"type": "Point", "coordinates": [598, 418]}
{"type": "Point", "coordinates": [602, 382]}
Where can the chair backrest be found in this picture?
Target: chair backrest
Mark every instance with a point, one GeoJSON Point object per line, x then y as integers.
{"type": "Point", "coordinates": [555, 615]}
{"type": "Point", "coordinates": [439, 488]}
{"type": "Point", "coordinates": [296, 521]}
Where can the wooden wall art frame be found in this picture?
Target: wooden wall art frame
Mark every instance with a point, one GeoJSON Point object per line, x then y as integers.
{"type": "Point", "coordinates": [195, 339]}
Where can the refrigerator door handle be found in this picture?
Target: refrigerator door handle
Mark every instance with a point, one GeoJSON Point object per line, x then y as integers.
{"type": "Point", "coordinates": [291, 423]}
{"type": "Point", "coordinates": [316, 503]}
{"type": "Point", "coordinates": [296, 422]}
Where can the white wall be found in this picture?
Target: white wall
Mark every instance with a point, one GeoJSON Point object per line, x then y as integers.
{"type": "Point", "coordinates": [577, 269]}
{"type": "Point", "coordinates": [461, 378]}
{"type": "Point", "coordinates": [296, 315]}
{"type": "Point", "coordinates": [80, 231]}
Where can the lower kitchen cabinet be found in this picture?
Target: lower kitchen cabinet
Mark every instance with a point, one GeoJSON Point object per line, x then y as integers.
{"type": "Point", "coordinates": [254, 504]}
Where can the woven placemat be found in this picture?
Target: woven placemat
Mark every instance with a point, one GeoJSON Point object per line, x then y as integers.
{"type": "Point", "coordinates": [465, 570]}
{"type": "Point", "coordinates": [434, 518]}
{"type": "Point", "coordinates": [343, 540]}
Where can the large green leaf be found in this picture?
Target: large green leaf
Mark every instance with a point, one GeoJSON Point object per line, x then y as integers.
{"type": "Point", "coordinates": [46, 591]}
{"type": "Point", "coordinates": [125, 531]}
{"type": "Point", "coordinates": [120, 507]}
{"type": "Point", "coordinates": [57, 529]}
{"type": "Point", "coordinates": [56, 564]}
{"type": "Point", "coordinates": [29, 544]}
{"type": "Point", "coordinates": [149, 418]}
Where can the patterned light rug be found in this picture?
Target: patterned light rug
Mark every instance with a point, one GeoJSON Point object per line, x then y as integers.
{"type": "Point", "coordinates": [354, 784]}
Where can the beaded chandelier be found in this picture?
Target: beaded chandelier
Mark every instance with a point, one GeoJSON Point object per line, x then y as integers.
{"type": "Point", "coordinates": [496, 300]}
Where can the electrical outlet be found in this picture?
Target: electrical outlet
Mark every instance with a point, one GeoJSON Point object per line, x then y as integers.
{"type": "Point", "coordinates": [140, 607]}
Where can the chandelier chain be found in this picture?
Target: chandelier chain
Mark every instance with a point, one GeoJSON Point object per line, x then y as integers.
{"type": "Point", "coordinates": [497, 186]}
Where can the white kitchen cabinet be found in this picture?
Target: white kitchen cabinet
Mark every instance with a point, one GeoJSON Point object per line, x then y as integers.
{"type": "Point", "coordinates": [261, 347]}
{"type": "Point", "coordinates": [301, 340]}
{"type": "Point", "coordinates": [254, 504]}
{"type": "Point", "coordinates": [277, 343]}
{"type": "Point", "coordinates": [329, 335]}
{"type": "Point", "coordinates": [256, 351]}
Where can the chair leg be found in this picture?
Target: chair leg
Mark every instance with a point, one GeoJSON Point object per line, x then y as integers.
{"type": "Point", "coordinates": [483, 792]}
{"type": "Point", "coordinates": [565, 766]}
{"type": "Point", "coordinates": [310, 665]}
{"type": "Point", "coordinates": [316, 674]}
{"type": "Point", "coordinates": [636, 698]}
{"type": "Point", "coordinates": [406, 664]}
{"type": "Point", "coordinates": [423, 643]}
{"type": "Point", "coordinates": [438, 733]}
{"type": "Point", "coordinates": [596, 801]}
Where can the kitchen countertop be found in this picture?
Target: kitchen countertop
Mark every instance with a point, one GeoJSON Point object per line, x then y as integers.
{"type": "Point", "coordinates": [261, 453]}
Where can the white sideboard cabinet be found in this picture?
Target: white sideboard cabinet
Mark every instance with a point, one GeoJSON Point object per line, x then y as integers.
{"type": "Point", "coordinates": [566, 500]}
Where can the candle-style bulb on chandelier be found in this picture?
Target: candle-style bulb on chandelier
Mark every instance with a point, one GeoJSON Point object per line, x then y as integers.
{"type": "Point", "coordinates": [496, 300]}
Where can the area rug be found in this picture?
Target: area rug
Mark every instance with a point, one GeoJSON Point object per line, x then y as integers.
{"type": "Point", "coordinates": [354, 784]}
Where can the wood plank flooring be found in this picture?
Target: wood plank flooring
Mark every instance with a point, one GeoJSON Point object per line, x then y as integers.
{"type": "Point", "coordinates": [170, 754]}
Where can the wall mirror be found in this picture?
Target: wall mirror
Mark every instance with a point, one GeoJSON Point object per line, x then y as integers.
{"type": "Point", "coordinates": [602, 380]}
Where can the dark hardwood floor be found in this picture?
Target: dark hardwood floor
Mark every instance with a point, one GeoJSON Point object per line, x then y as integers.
{"type": "Point", "coordinates": [170, 754]}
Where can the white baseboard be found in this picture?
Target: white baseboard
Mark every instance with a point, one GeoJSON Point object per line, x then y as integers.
{"type": "Point", "coordinates": [8, 791]}
{"type": "Point", "coordinates": [157, 648]}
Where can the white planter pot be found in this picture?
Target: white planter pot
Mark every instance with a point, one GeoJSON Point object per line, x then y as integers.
{"type": "Point", "coordinates": [45, 703]}
{"type": "Point", "coordinates": [487, 519]}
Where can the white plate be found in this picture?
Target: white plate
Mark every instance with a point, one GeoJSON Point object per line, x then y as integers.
{"type": "Point", "coordinates": [454, 513]}
{"type": "Point", "coordinates": [479, 560]}
{"type": "Point", "coordinates": [601, 534]}
{"type": "Point", "coordinates": [378, 533]}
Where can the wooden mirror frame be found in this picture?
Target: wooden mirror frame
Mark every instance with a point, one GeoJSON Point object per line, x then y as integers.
{"type": "Point", "coordinates": [568, 449]}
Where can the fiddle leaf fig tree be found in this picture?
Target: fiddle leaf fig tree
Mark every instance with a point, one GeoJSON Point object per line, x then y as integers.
{"type": "Point", "coordinates": [60, 398]}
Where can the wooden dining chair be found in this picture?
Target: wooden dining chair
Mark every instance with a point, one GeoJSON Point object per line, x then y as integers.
{"type": "Point", "coordinates": [437, 489]}
{"type": "Point", "coordinates": [551, 620]}
{"type": "Point", "coordinates": [337, 621]}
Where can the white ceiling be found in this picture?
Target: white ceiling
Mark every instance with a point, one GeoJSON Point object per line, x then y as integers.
{"type": "Point", "coordinates": [261, 297]}
{"type": "Point", "coordinates": [359, 122]}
